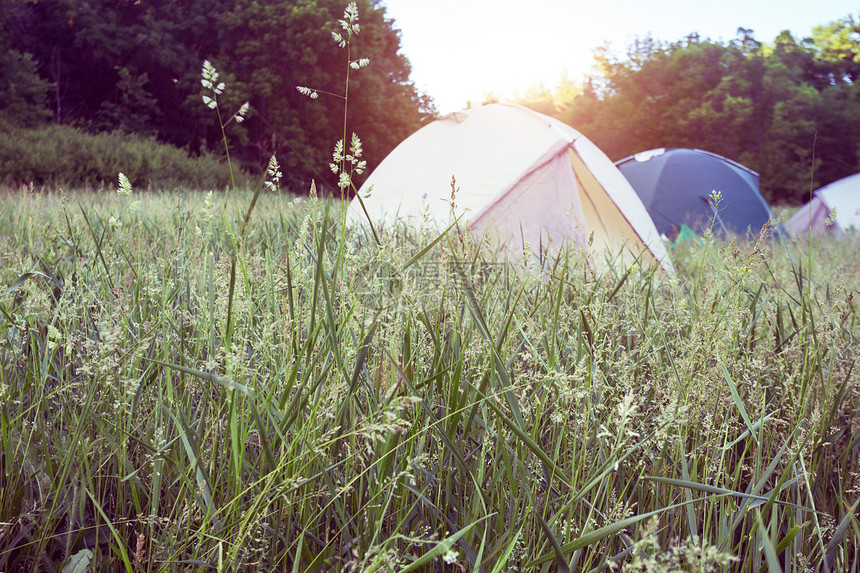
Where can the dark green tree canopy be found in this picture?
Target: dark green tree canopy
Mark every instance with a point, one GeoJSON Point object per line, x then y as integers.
{"type": "Point", "coordinates": [789, 109]}
{"type": "Point", "coordinates": [135, 65]}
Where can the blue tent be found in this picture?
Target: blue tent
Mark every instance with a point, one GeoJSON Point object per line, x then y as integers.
{"type": "Point", "coordinates": [677, 187]}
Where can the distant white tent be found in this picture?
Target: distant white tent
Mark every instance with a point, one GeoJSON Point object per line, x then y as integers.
{"type": "Point", "coordinates": [522, 177]}
{"type": "Point", "coordinates": [843, 196]}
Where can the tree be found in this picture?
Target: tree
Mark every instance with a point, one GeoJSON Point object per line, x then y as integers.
{"type": "Point", "coordinates": [837, 46]}
{"type": "Point", "coordinates": [135, 65]}
{"type": "Point", "coordinates": [789, 110]}
{"type": "Point", "coordinates": [277, 46]}
{"type": "Point", "coordinates": [144, 58]}
{"type": "Point", "coordinates": [23, 93]}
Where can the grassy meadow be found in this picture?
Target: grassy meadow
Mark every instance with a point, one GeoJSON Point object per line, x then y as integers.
{"type": "Point", "coordinates": [186, 385]}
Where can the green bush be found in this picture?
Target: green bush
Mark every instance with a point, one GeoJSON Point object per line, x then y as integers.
{"type": "Point", "coordinates": [65, 156]}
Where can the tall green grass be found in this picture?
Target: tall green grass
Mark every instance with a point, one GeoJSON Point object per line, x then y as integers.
{"type": "Point", "coordinates": [181, 391]}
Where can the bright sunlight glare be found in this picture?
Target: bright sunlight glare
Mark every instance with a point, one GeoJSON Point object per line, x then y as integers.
{"type": "Point", "coordinates": [465, 50]}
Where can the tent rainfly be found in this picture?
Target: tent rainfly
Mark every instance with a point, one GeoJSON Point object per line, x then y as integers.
{"type": "Point", "coordinates": [843, 196]}
{"type": "Point", "coordinates": [522, 177]}
{"type": "Point", "coordinates": [677, 186]}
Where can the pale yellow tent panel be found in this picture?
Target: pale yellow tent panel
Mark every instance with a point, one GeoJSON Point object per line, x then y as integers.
{"type": "Point", "coordinates": [523, 178]}
{"type": "Point", "coordinates": [611, 229]}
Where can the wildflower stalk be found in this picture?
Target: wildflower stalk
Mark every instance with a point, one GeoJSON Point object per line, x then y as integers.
{"type": "Point", "coordinates": [210, 82]}
{"type": "Point", "coordinates": [345, 162]}
{"type": "Point", "coordinates": [346, 99]}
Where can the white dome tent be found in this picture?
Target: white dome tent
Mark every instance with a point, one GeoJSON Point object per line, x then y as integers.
{"type": "Point", "coordinates": [843, 196]}
{"type": "Point", "coordinates": [522, 177]}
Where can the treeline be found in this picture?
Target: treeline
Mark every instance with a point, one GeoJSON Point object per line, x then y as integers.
{"type": "Point", "coordinates": [789, 110]}
{"type": "Point", "coordinates": [134, 66]}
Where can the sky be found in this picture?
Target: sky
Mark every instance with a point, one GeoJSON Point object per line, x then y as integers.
{"type": "Point", "coordinates": [463, 50]}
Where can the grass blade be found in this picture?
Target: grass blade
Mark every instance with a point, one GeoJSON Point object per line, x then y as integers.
{"type": "Point", "coordinates": [120, 542]}
{"type": "Point", "coordinates": [593, 537]}
{"type": "Point", "coordinates": [442, 547]}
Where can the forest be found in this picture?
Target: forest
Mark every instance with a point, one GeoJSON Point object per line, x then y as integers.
{"type": "Point", "coordinates": [104, 65]}
{"type": "Point", "coordinates": [789, 109]}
